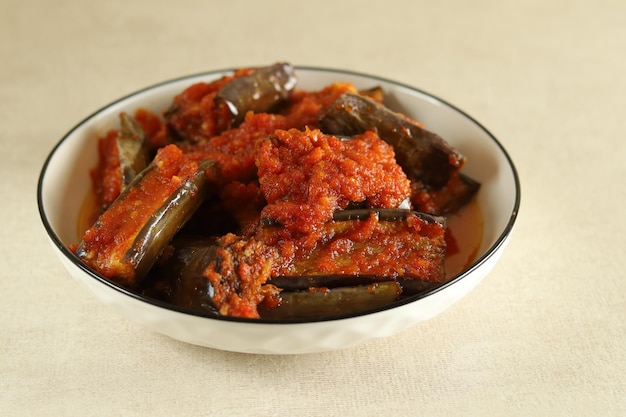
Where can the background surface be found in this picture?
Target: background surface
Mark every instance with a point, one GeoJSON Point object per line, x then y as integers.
{"type": "Point", "coordinates": [543, 335]}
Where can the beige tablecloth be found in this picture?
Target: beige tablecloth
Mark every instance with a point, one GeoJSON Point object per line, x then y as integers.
{"type": "Point", "coordinates": [543, 335]}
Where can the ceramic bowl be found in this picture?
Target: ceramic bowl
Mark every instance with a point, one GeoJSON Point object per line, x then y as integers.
{"type": "Point", "coordinates": [64, 182]}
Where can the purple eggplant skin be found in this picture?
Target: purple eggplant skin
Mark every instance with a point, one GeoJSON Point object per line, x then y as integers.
{"type": "Point", "coordinates": [328, 302]}
{"type": "Point", "coordinates": [177, 277]}
{"type": "Point", "coordinates": [457, 193]}
{"type": "Point", "coordinates": [423, 155]}
{"type": "Point", "coordinates": [409, 286]}
{"type": "Point", "coordinates": [293, 283]}
{"type": "Point", "coordinates": [261, 91]}
{"type": "Point", "coordinates": [385, 214]}
{"type": "Point", "coordinates": [163, 224]}
{"type": "Point", "coordinates": [168, 219]}
{"type": "Point", "coordinates": [133, 149]}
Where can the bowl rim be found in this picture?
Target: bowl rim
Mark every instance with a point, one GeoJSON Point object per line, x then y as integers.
{"type": "Point", "coordinates": [478, 262]}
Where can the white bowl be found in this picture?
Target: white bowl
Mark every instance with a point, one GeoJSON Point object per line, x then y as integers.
{"type": "Point", "coordinates": [65, 181]}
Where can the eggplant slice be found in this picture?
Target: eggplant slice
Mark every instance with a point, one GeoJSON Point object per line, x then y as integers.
{"type": "Point", "coordinates": [205, 274]}
{"type": "Point", "coordinates": [129, 236]}
{"type": "Point", "coordinates": [427, 159]}
{"type": "Point", "coordinates": [258, 92]}
{"type": "Point", "coordinates": [422, 154]}
{"type": "Point", "coordinates": [358, 248]}
{"type": "Point", "coordinates": [177, 277]}
{"type": "Point", "coordinates": [325, 302]}
{"type": "Point", "coordinates": [133, 149]}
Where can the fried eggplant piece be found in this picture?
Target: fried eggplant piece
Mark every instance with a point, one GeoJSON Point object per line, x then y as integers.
{"type": "Point", "coordinates": [177, 277]}
{"type": "Point", "coordinates": [128, 237]}
{"type": "Point", "coordinates": [238, 275]}
{"type": "Point", "coordinates": [205, 110]}
{"type": "Point", "coordinates": [408, 286]}
{"type": "Point", "coordinates": [429, 161]}
{"type": "Point", "coordinates": [132, 148]}
{"type": "Point", "coordinates": [422, 154]}
{"type": "Point", "coordinates": [325, 302]}
{"type": "Point", "coordinates": [384, 243]}
{"type": "Point", "coordinates": [459, 191]}
{"type": "Point", "coordinates": [254, 277]}
{"type": "Point", "coordinates": [258, 92]}
{"type": "Point", "coordinates": [193, 116]}
{"type": "Point", "coordinates": [178, 280]}
{"type": "Point", "coordinates": [362, 247]}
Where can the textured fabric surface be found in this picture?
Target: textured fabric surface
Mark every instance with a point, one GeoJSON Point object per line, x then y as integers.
{"type": "Point", "coordinates": [543, 335]}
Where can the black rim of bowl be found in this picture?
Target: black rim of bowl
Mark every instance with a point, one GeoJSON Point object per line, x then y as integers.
{"type": "Point", "coordinates": [158, 303]}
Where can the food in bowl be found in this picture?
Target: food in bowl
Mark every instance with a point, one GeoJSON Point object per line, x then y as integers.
{"type": "Point", "coordinates": [481, 229]}
{"type": "Point", "coordinates": [252, 198]}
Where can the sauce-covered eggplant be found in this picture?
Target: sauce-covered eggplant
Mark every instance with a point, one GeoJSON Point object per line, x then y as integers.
{"type": "Point", "coordinates": [265, 201]}
{"type": "Point", "coordinates": [432, 164]}
{"type": "Point", "coordinates": [127, 238]}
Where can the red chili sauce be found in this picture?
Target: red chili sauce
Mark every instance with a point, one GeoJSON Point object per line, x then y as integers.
{"type": "Point", "coordinates": [306, 175]}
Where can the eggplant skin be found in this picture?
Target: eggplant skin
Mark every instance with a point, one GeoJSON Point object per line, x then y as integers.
{"type": "Point", "coordinates": [258, 92]}
{"type": "Point", "coordinates": [132, 147]}
{"type": "Point", "coordinates": [166, 221]}
{"type": "Point", "coordinates": [364, 248]}
{"type": "Point", "coordinates": [129, 236]}
{"type": "Point", "coordinates": [177, 276]}
{"type": "Point", "coordinates": [386, 215]}
{"type": "Point", "coordinates": [458, 192]}
{"type": "Point", "coordinates": [423, 155]}
{"type": "Point", "coordinates": [433, 165]}
{"type": "Point", "coordinates": [205, 110]}
{"type": "Point", "coordinates": [328, 302]}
